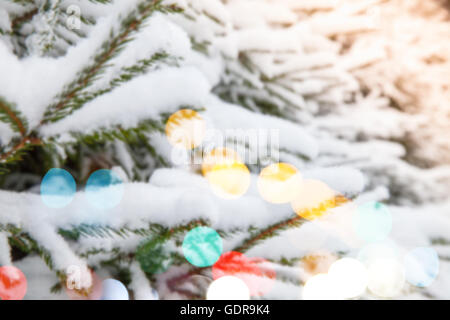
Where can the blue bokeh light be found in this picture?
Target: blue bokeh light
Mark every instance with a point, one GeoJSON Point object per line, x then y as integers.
{"type": "Point", "coordinates": [114, 290]}
{"type": "Point", "coordinates": [104, 189]}
{"type": "Point", "coordinates": [421, 266]}
{"type": "Point", "coordinates": [58, 188]}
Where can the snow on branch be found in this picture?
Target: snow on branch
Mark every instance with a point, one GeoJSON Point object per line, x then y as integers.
{"type": "Point", "coordinates": [11, 115]}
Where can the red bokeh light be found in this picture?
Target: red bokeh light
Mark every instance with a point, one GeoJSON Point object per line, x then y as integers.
{"type": "Point", "coordinates": [257, 273]}
{"type": "Point", "coordinates": [13, 283]}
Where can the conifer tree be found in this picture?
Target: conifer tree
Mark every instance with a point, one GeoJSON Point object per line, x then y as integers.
{"type": "Point", "coordinates": [93, 85]}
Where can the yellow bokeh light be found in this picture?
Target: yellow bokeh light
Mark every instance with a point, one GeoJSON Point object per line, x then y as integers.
{"type": "Point", "coordinates": [229, 180]}
{"type": "Point", "coordinates": [279, 183]}
{"type": "Point", "coordinates": [186, 129]}
{"type": "Point", "coordinates": [314, 199]}
{"type": "Point", "coordinates": [219, 156]}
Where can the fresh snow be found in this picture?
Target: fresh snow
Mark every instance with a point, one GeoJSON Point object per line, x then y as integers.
{"type": "Point", "coordinates": [332, 69]}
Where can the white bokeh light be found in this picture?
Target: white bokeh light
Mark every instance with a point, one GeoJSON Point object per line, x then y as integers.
{"type": "Point", "coordinates": [228, 288]}
{"type": "Point", "coordinates": [321, 287]}
{"type": "Point", "coordinates": [386, 277]}
{"type": "Point", "coordinates": [349, 276]}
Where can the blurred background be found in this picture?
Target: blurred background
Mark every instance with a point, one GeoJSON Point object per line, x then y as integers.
{"type": "Point", "coordinates": [358, 90]}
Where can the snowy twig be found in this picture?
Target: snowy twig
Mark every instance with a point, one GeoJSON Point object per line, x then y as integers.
{"type": "Point", "coordinates": [269, 232]}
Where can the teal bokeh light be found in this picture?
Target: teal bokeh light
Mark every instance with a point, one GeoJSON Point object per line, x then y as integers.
{"type": "Point", "coordinates": [421, 266]}
{"type": "Point", "coordinates": [104, 189]}
{"type": "Point", "coordinates": [58, 188]}
{"type": "Point", "coordinates": [202, 246]}
{"type": "Point", "coordinates": [372, 222]}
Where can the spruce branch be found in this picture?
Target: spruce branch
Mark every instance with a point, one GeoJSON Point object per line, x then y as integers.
{"type": "Point", "coordinates": [54, 39]}
{"type": "Point", "coordinates": [103, 135]}
{"type": "Point", "coordinates": [110, 49]}
{"type": "Point", "coordinates": [440, 241]}
{"type": "Point", "coordinates": [140, 67]}
{"type": "Point", "coordinates": [270, 232]}
{"type": "Point", "coordinates": [174, 283]}
{"type": "Point", "coordinates": [23, 2]}
{"type": "Point", "coordinates": [17, 152]}
{"type": "Point", "coordinates": [289, 262]}
{"type": "Point", "coordinates": [125, 74]}
{"type": "Point", "coordinates": [97, 251]}
{"type": "Point", "coordinates": [12, 116]}
{"type": "Point", "coordinates": [274, 229]}
{"type": "Point", "coordinates": [137, 143]}
{"type": "Point", "coordinates": [139, 152]}
{"type": "Point", "coordinates": [74, 98]}
{"type": "Point", "coordinates": [102, 231]}
{"type": "Point", "coordinates": [25, 243]}
{"type": "Point", "coordinates": [18, 21]}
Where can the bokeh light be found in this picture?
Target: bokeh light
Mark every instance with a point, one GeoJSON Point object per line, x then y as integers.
{"type": "Point", "coordinates": [318, 262]}
{"type": "Point", "coordinates": [228, 288]}
{"type": "Point", "coordinates": [185, 129]}
{"type": "Point", "coordinates": [13, 283]}
{"type": "Point", "coordinates": [421, 266]}
{"type": "Point", "coordinates": [104, 189]}
{"type": "Point", "coordinates": [372, 221]}
{"type": "Point", "coordinates": [279, 183]}
{"type": "Point", "coordinates": [114, 290]}
{"type": "Point", "coordinates": [257, 273]}
{"type": "Point", "coordinates": [219, 156]}
{"type": "Point", "coordinates": [58, 188]}
{"type": "Point", "coordinates": [349, 276]}
{"type": "Point", "coordinates": [320, 287]}
{"type": "Point", "coordinates": [202, 246]}
{"type": "Point", "coordinates": [229, 180]}
{"type": "Point", "coordinates": [314, 199]}
{"type": "Point", "coordinates": [386, 277]}
{"type": "Point", "coordinates": [262, 283]}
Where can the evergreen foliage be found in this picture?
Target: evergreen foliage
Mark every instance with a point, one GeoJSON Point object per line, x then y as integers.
{"type": "Point", "coordinates": [301, 85]}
